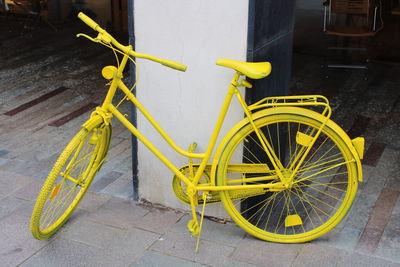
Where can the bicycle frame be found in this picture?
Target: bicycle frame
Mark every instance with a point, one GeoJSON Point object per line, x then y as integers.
{"type": "Point", "coordinates": [108, 107]}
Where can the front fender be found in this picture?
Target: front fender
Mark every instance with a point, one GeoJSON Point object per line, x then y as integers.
{"type": "Point", "coordinates": [286, 110]}
{"type": "Point", "coordinates": [92, 122]}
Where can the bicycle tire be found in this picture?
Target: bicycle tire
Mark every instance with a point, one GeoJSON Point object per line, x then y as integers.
{"type": "Point", "coordinates": [80, 161]}
{"type": "Point", "coordinates": [274, 216]}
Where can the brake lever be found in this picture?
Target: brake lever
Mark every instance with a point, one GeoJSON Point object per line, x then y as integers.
{"type": "Point", "coordinates": [96, 40]}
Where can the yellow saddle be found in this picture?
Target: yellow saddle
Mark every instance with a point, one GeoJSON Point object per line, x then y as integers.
{"type": "Point", "coordinates": [256, 70]}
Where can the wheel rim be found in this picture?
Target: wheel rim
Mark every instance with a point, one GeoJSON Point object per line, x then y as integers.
{"type": "Point", "coordinates": [72, 180]}
{"type": "Point", "coordinates": [315, 201]}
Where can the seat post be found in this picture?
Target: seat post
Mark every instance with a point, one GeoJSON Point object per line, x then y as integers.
{"type": "Point", "coordinates": [234, 83]}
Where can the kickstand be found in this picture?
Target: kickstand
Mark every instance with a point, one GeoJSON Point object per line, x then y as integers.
{"type": "Point", "coordinates": [201, 221]}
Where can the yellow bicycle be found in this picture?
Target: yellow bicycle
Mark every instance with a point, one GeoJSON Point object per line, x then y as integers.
{"type": "Point", "coordinates": [285, 173]}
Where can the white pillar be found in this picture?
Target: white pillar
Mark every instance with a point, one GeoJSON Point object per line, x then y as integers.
{"type": "Point", "coordinates": [186, 105]}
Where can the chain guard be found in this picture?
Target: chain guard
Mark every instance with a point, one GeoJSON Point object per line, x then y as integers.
{"type": "Point", "coordinates": [180, 188]}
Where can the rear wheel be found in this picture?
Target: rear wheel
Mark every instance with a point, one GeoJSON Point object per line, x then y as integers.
{"type": "Point", "coordinates": [69, 180]}
{"type": "Point", "coordinates": [314, 202]}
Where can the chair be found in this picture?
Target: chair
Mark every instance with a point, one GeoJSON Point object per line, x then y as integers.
{"type": "Point", "coordinates": [35, 10]}
{"type": "Point", "coordinates": [351, 19]}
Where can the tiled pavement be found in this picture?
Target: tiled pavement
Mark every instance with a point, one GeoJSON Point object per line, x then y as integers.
{"type": "Point", "coordinates": [110, 231]}
{"type": "Point", "coordinates": [50, 82]}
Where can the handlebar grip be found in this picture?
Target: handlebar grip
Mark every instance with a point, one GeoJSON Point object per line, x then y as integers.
{"type": "Point", "coordinates": [173, 64]}
{"type": "Point", "coordinates": [91, 23]}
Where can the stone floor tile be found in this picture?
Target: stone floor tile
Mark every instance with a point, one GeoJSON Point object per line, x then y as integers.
{"type": "Point", "coordinates": [90, 233]}
{"type": "Point", "coordinates": [360, 211]}
{"type": "Point", "coordinates": [10, 204]}
{"type": "Point", "coordinates": [362, 260]}
{"type": "Point", "coordinates": [121, 188]}
{"type": "Point", "coordinates": [229, 234]}
{"type": "Point", "coordinates": [3, 161]}
{"type": "Point", "coordinates": [29, 191]}
{"type": "Point", "coordinates": [389, 248]}
{"type": "Point", "coordinates": [235, 263]}
{"type": "Point", "coordinates": [62, 252]}
{"type": "Point", "coordinates": [91, 202]}
{"type": "Point", "coordinates": [156, 259]}
{"type": "Point", "coordinates": [264, 253]}
{"type": "Point", "coordinates": [316, 255]}
{"type": "Point", "coordinates": [104, 180]}
{"type": "Point", "coordinates": [10, 182]}
{"type": "Point", "coordinates": [3, 152]}
{"type": "Point", "coordinates": [19, 167]}
{"type": "Point", "coordinates": [345, 238]}
{"type": "Point", "coordinates": [128, 245]}
{"type": "Point", "coordinates": [183, 246]}
{"type": "Point", "coordinates": [158, 221]}
{"type": "Point", "coordinates": [16, 242]}
{"type": "Point", "coordinates": [389, 245]}
{"type": "Point", "coordinates": [119, 213]}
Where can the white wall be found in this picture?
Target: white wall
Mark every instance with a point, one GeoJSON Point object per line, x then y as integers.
{"type": "Point", "coordinates": [186, 105]}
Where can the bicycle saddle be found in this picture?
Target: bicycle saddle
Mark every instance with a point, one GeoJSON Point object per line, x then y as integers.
{"type": "Point", "coordinates": [257, 70]}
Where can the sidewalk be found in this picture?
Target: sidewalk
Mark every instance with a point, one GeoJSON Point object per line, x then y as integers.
{"type": "Point", "coordinates": [110, 231]}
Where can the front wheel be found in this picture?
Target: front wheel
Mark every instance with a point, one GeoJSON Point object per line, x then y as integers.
{"type": "Point", "coordinates": [69, 180]}
{"type": "Point", "coordinates": [315, 200]}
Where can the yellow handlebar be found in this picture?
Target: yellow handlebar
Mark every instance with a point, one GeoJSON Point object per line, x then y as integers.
{"type": "Point", "coordinates": [107, 38]}
{"type": "Point", "coordinates": [91, 23]}
{"type": "Point", "coordinates": [173, 64]}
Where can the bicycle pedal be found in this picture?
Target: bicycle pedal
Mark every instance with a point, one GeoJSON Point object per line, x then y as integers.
{"type": "Point", "coordinates": [193, 227]}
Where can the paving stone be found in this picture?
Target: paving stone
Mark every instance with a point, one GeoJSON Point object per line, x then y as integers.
{"type": "Point", "coordinates": [3, 161]}
{"type": "Point", "coordinates": [91, 202]}
{"type": "Point", "coordinates": [158, 221]}
{"type": "Point", "coordinates": [29, 191]}
{"type": "Point", "coordinates": [129, 245]}
{"type": "Point", "coordinates": [90, 233]}
{"type": "Point", "coordinates": [19, 167]}
{"type": "Point", "coordinates": [377, 221]}
{"type": "Point", "coordinates": [183, 246]}
{"type": "Point", "coordinates": [315, 255]}
{"type": "Point", "coordinates": [64, 252]}
{"type": "Point", "coordinates": [156, 259]}
{"type": "Point", "coordinates": [345, 238]}
{"type": "Point", "coordinates": [235, 263]}
{"type": "Point", "coordinates": [104, 181]}
{"type": "Point", "coordinates": [119, 213]}
{"type": "Point", "coordinates": [264, 253]}
{"type": "Point", "coordinates": [77, 215]}
{"type": "Point", "coordinates": [358, 215]}
{"type": "Point", "coordinates": [121, 188]}
{"type": "Point", "coordinates": [10, 182]}
{"type": "Point", "coordinates": [229, 234]}
{"type": "Point", "coordinates": [362, 260]}
{"type": "Point", "coordinates": [10, 204]}
{"type": "Point", "coordinates": [16, 242]}
{"type": "Point", "coordinates": [389, 245]}
{"type": "Point", "coordinates": [393, 181]}
{"type": "Point", "coordinates": [3, 152]}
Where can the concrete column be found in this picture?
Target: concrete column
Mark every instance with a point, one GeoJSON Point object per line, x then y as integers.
{"type": "Point", "coordinates": [186, 105]}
